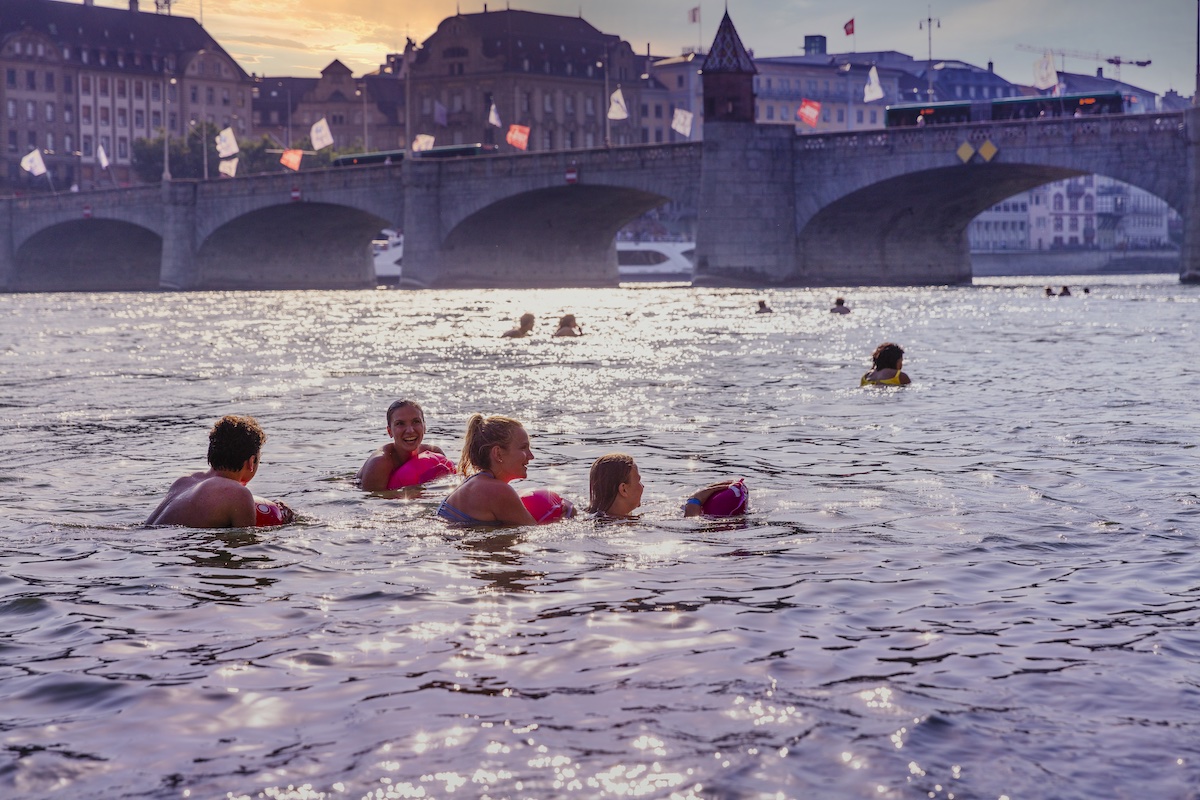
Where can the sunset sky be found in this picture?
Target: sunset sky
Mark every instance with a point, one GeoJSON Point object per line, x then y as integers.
{"type": "Point", "coordinates": [299, 37]}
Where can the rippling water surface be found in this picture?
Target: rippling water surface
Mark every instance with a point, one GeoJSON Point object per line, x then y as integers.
{"type": "Point", "coordinates": [985, 585]}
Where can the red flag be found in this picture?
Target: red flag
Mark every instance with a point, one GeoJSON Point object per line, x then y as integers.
{"type": "Point", "coordinates": [809, 112]}
{"type": "Point", "coordinates": [518, 136]}
{"type": "Point", "coordinates": [291, 159]}
{"type": "Point", "coordinates": [849, 27]}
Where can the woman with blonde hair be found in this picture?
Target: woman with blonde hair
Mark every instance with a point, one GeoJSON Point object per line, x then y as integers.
{"type": "Point", "coordinates": [495, 452]}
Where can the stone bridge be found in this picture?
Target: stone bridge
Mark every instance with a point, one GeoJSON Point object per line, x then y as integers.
{"type": "Point", "coordinates": [879, 207]}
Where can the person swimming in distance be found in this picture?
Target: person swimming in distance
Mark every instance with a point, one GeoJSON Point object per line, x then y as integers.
{"type": "Point", "coordinates": [1050, 291]}
{"type": "Point", "coordinates": [888, 359]}
{"type": "Point", "coordinates": [406, 426]}
{"type": "Point", "coordinates": [615, 488]}
{"type": "Point", "coordinates": [1066, 292]}
{"type": "Point", "coordinates": [763, 308]}
{"type": "Point", "coordinates": [495, 452]}
{"type": "Point", "coordinates": [219, 497]}
{"type": "Point", "coordinates": [567, 326]}
{"type": "Point", "coordinates": [840, 307]}
{"type": "Point", "coordinates": [523, 329]}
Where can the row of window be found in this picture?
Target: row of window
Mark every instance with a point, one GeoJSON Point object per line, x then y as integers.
{"type": "Point", "coordinates": [86, 149]}
{"type": "Point", "coordinates": [31, 82]}
{"type": "Point", "coordinates": [102, 57]}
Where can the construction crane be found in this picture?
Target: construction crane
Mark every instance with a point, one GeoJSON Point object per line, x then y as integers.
{"type": "Point", "coordinates": [1116, 61]}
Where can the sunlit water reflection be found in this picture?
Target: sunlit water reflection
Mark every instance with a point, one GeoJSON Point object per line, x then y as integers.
{"type": "Point", "coordinates": [984, 585]}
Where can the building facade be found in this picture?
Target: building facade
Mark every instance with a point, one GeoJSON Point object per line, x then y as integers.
{"type": "Point", "coordinates": [552, 74]}
{"type": "Point", "coordinates": [81, 83]}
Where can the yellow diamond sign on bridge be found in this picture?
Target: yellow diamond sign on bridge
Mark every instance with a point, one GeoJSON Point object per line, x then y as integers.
{"type": "Point", "coordinates": [988, 150]}
{"type": "Point", "coordinates": [965, 151]}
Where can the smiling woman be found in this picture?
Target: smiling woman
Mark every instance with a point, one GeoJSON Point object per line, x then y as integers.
{"type": "Point", "coordinates": [406, 460]}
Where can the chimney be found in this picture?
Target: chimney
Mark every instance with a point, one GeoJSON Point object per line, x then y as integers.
{"type": "Point", "coordinates": [133, 5]}
{"type": "Point", "coordinates": [991, 67]}
{"type": "Point", "coordinates": [88, 3]}
{"type": "Point", "coordinates": [1099, 72]}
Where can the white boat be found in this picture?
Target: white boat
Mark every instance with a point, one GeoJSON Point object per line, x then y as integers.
{"type": "Point", "coordinates": [389, 253]}
{"type": "Point", "coordinates": [655, 260]}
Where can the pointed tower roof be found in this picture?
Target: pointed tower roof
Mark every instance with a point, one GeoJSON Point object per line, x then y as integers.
{"type": "Point", "coordinates": [727, 53]}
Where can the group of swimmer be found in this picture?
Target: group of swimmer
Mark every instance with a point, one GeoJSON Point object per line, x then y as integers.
{"type": "Point", "coordinates": [839, 307]}
{"type": "Point", "coordinates": [496, 451]}
{"type": "Point", "coordinates": [567, 326]}
{"type": "Point", "coordinates": [1066, 291]}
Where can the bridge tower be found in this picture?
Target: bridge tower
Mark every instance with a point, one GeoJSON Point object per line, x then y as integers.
{"type": "Point", "coordinates": [746, 212]}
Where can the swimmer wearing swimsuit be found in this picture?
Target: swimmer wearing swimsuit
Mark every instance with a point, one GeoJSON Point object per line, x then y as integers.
{"type": "Point", "coordinates": [892, 381]}
{"type": "Point", "coordinates": [456, 517]}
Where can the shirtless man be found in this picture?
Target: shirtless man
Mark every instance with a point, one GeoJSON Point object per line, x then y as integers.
{"type": "Point", "coordinates": [219, 498]}
{"type": "Point", "coordinates": [406, 426]}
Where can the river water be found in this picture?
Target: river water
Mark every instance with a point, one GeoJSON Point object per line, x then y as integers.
{"type": "Point", "coordinates": [984, 585]}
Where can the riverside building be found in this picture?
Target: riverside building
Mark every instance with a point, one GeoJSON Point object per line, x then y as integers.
{"type": "Point", "coordinates": [78, 79]}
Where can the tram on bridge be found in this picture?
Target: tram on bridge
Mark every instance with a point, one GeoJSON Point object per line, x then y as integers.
{"type": "Point", "coordinates": [1003, 108]}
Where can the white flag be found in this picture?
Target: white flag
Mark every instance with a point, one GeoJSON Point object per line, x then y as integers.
{"type": "Point", "coordinates": [227, 145]}
{"type": "Point", "coordinates": [616, 107]}
{"type": "Point", "coordinates": [33, 164]}
{"type": "Point", "coordinates": [228, 167]}
{"type": "Point", "coordinates": [320, 135]}
{"type": "Point", "coordinates": [422, 143]}
{"type": "Point", "coordinates": [872, 91]}
{"type": "Point", "coordinates": [1044, 74]}
{"type": "Point", "coordinates": [102, 157]}
{"type": "Point", "coordinates": [494, 117]}
{"type": "Point", "coordinates": [681, 123]}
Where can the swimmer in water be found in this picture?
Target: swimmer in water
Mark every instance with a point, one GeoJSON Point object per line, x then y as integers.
{"type": "Point", "coordinates": [615, 488]}
{"type": "Point", "coordinates": [567, 326]}
{"type": "Point", "coordinates": [763, 308]}
{"type": "Point", "coordinates": [406, 426]}
{"type": "Point", "coordinates": [495, 452]}
{"type": "Point", "coordinates": [840, 307]}
{"type": "Point", "coordinates": [219, 497]}
{"type": "Point", "coordinates": [523, 329]}
{"type": "Point", "coordinates": [888, 359]}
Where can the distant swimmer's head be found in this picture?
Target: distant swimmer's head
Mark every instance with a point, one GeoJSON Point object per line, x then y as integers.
{"type": "Point", "coordinates": [527, 321]}
{"type": "Point", "coordinates": [234, 440]}
{"type": "Point", "coordinates": [406, 425]}
{"type": "Point", "coordinates": [887, 356]}
{"type": "Point", "coordinates": [567, 321]}
{"type": "Point", "coordinates": [841, 301]}
{"type": "Point", "coordinates": [494, 442]}
{"type": "Point", "coordinates": [614, 480]}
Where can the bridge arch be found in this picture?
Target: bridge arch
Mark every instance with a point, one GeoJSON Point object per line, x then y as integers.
{"type": "Point", "coordinates": [563, 234]}
{"type": "Point", "coordinates": [88, 255]}
{"type": "Point", "coordinates": [901, 214]}
{"type": "Point", "coordinates": [313, 245]}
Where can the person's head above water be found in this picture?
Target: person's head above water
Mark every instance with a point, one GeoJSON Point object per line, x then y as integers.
{"type": "Point", "coordinates": [527, 321]}
{"type": "Point", "coordinates": [232, 441]}
{"type": "Point", "coordinates": [567, 321]}
{"type": "Point", "coordinates": [487, 441]}
{"type": "Point", "coordinates": [614, 485]}
{"type": "Point", "coordinates": [887, 356]}
{"type": "Point", "coordinates": [841, 301]}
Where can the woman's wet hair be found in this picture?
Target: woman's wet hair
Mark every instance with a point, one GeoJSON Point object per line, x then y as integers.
{"type": "Point", "coordinates": [604, 481]}
{"type": "Point", "coordinates": [484, 433]}
{"type": "Point", "coordinates": [232, 441]}
{"type": "Point", "coordinates": [887, 355]}
{"type": "Point", "coordinates": [526, 320]}
{"type": "Point", "coordinates": [401, 404]}
{"type": "Point", "coordinates": [567, 321]}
